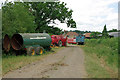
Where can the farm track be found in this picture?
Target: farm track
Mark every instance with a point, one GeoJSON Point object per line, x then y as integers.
{"type": "Point", "coordinates": [66, 63]}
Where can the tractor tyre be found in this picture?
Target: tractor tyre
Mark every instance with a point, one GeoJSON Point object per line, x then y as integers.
{"type": "Point", "coordinates": [65, 44]}
{"type": "Point", "coordinates": [78, 43]}
{"type": "Point", "coordinates": [82, 43]}
{"type": "Point", "coordinates": [30, 51]}
{"type": "Point", "coordinates": [39, 50]}
{"type": "Point", "coordinates": [60, 43]}
{"type": "Point", "coordinates": [49, 48]}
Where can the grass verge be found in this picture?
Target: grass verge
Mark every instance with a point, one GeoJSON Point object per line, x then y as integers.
{"type": "Point", "coordinates": [101, 58]}
{"type": "Point", "coordinates": [15, 62]}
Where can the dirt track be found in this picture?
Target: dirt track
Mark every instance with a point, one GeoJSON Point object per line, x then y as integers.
{"type": "Point", "coordinates": [66, 63]}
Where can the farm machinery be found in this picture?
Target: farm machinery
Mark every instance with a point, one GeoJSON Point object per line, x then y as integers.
{"type": "Point", "coordinates": [59, 40]}
{"type": "Point", "coordinates": [76, 40]}
{"type": "Point", "coordinates": [71, 40]}
{"type": "Point", "coordinates": [33, 43]}
{"type": "Point", "coordinates": [80, 39]}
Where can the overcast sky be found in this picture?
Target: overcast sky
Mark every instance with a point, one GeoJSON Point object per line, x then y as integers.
{"type": "Point", "coordinates": [92, 15]}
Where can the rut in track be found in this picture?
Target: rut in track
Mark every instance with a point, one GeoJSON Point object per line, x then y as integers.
{"type": "Point", "coordinates": [66, 63]}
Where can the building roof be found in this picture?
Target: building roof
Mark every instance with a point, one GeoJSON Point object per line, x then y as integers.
{"type": "Point", "coordinates": [115, 34]}
{"type": "Point", "coordinates": [100, 35]}
{"type": "Point", "coordinates": [87, 34]}
{"type": "Point", "coordinates": [72, 34]}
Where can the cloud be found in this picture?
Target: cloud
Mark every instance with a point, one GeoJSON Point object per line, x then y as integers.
{"type": "Point", "coordinates": [3, 1]}
{"type": "Point", "coordinates": [94, 14]}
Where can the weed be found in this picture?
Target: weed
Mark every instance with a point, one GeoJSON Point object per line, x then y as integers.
{"type": "Point", "coordinates": [106, 49]}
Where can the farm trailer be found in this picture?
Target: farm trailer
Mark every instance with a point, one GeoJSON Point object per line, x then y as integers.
{"type": "Point", "coordinates": [33, 43]}
{"type": "Point", "coordinates": [77, 40]}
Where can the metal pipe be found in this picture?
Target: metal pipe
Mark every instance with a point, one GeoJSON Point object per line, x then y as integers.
{"type": "Point", "coordinates": [6, 43]}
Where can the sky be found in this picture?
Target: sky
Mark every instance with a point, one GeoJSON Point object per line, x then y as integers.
{"type": "Point", "coordinates": [92, 15]}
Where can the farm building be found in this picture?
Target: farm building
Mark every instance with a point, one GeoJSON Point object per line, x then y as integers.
{"type": "Point", "coordinates": [112, 34]}
{"type": "Point", "coordinates": [87, 35]}
{"type": "Point", "coordinates": [71, 34]}
{"type": "Point", "coordinates": [100, 35]}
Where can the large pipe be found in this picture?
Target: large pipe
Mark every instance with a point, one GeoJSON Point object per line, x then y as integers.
{"type": "Point", "coordinates": [18, 41]}
{"type": "Point", "coordinates": [6, 43]}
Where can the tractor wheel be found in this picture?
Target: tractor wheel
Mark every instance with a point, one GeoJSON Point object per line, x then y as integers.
{"type": "Point", "coordinates": [30, 51]}
{"type": "Point", "coordinates": [56, 44]}
{"type": "Point", "coordinates": [78, 43]}
{"type": "Point", "coordinates": [39, 50]}
{"type": "Point", "coordinates": [65, 44]}
{"type": "Point", "coordinates": [48, 48]}
{"type": "Point", "coordinates": [60, 43]}
{"type": "Point", "coordinates": [82, 43]}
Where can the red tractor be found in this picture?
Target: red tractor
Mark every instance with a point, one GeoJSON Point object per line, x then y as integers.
{"type": "Point", "coordinates": [59, 40]}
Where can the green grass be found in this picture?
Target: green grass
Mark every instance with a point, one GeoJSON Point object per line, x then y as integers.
{"type": "Point", "coordinates": [101, 58]}
{"type": "Point", "coordinates": [14, 62]}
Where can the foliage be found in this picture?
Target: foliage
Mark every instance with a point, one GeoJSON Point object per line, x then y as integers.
{"type": "Point", "coordinates": [16, 18]}
{"type": "Point", "coordinates": [113, 30]}
{"type": "Point", "coordinates": [52, 30]}
{"type": "Point", "coordinates": [104, 32]}
{"type": "Point", "coordinates": [87, 31]}
{"type": "Point", "coordinates": [47, 12]}
{"type": "Point", "coordinates": [27, 17]}
{"type": "Point", "coordinates": [78, 31]}
{"type": "Point", "coordinates": [95, 34]}
{"type": "Point", "coordinates": [105, 50]}
{"type": "Point", "coordinates": [94, 68]}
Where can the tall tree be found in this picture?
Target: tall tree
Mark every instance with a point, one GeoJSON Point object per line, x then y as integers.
{"type": "Point", "coordinates": [16, 18]}
{"type": "Point", "coordinates": [21, 17]}
{"type": "Point", "coordinates": [52, 30]}
{"type": "Point", "coordinates": [47, 12]}
{"type": "Point", "coordinates": [104, 32]}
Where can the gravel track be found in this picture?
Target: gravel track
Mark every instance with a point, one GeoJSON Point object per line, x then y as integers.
{"type": "Point", "coordinates": [66, 63]}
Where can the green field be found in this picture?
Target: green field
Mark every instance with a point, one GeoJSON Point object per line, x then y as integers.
{"type": "Point", "coordinates": [101, 57]}
{"type": "Point", "coordinates": [14, 62]}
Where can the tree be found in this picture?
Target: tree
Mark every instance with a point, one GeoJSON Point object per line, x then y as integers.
{"type": "Point", "coordinates": [113, 30]}
{"type": "Point", "coordinates": [16, 18]}
{"type": "Point", "coordinates": [53, 30]}
{"type": "Point", "coordinates": [104, 32]}
{"type": "Point", "coordinates": [95, 34]}
{"type": "Point", "coordinates": [47, 12]}
{"type": "Point", "coordinates": [87, 31]}
{"type": "Point", "coordinates": [79, 32]}
{"type": "Point", "coordinates": [27, 17]}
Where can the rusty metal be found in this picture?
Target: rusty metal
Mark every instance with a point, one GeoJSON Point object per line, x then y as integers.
{"type": "Point", "coordinates": [6, 43]}
{"type": "Point", "coordinates": [17, 41]}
